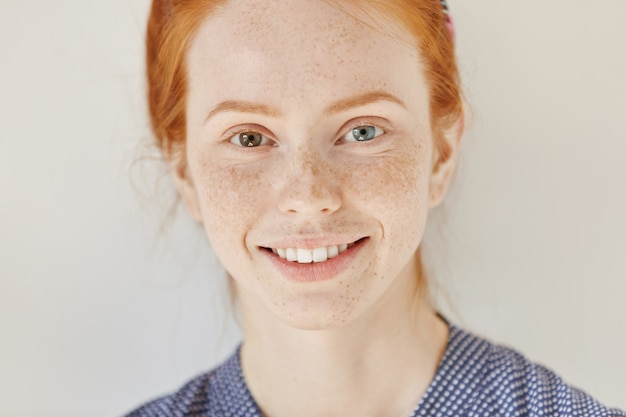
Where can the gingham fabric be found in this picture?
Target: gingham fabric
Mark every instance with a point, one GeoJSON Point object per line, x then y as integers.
{"type": "Point", "coordinates": [475, 379]}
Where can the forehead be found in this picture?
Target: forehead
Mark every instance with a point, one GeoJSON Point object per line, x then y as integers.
{"type": "Point", "coordinates": [299, 50]}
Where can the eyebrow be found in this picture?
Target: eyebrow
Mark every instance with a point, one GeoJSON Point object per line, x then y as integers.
{"type": "Point", "coordinates": [362, 100]}
{"type": "Point", "coordinates": [242, 107]}
{"type": "Point", "coordinates": [337, 107]}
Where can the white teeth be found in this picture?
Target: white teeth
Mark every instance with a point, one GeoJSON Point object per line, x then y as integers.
{"type": "Point", "coordinates": [307, 256]}
{"type": "Point", "coordinates": [291, 254]}
{"type": "Point", "coordinates": [320, 254]}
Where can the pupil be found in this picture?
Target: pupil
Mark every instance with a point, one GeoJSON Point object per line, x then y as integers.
{"type": "Point", "coordinates": [249, 139]}
{"type": "Point", "coordinates": [364, 133]}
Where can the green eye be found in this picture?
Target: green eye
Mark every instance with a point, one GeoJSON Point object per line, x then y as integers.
{"type": "Point", "coordinates": [363, 133]}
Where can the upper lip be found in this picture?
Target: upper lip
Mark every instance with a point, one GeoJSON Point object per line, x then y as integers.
{"type": "Point", "coordinates": [311, 242]}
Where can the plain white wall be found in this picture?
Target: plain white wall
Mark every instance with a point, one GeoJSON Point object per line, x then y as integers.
{"type": "Point", "coordinates": [99, 313]}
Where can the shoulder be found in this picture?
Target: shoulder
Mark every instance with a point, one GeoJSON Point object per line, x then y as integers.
{"type": "Point", "coordinates": [512, 385]}
{"type": "Point", "coordinates": [192, 400]}
{"type": "Point", "coordinates": [221, 391]}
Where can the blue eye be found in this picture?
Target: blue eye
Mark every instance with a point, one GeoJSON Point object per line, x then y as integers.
{"type": "Point", "coordinates": [249, 139]}
{"type": "Point", "coordinates": [363, 133]}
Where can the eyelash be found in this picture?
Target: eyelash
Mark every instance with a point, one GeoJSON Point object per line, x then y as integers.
{"type": "Point", "coordinates": [378, 131]}
{"type": "Point", "coordinates": [233, 135]}
{"type": "Point", "coordinates": [381, 128]}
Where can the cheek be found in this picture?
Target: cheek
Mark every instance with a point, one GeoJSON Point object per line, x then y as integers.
{"type": "Point", "coordinates": [397, 182]}
{"type": "Point", "coordinates": [394, 192]}
{"type": "Point", "coordinates": [231, 199]}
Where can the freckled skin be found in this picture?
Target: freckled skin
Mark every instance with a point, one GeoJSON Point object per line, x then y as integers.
{"type": "Point", "coordinates": [300, 66]}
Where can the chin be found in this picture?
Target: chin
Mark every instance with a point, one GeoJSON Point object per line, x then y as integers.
{"type": "Point", "coordinates": [317, 313]}
{"type": "Point", "coordinates": [314, 323]}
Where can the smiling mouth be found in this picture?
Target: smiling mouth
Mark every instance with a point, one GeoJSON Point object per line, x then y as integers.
{"type": "Point", "coordinates": [315, 255]}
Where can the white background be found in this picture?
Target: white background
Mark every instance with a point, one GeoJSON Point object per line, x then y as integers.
{"type": "Point", "coordinates": [100, 311]}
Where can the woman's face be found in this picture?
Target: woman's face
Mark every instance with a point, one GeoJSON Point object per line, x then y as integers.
{"type": "Point", "coordinates": [309, 131]}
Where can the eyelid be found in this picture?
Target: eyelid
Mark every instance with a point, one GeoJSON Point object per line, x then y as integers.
{"type": "Point", "coordinates": [231, 133]}
{"type": "Point", "coordinates": [375, 121]}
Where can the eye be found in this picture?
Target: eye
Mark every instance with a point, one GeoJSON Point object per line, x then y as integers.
{"type": "Point", "coordinates": [363, 133]}
{"type": "Point", "coordinates": [249, 139]}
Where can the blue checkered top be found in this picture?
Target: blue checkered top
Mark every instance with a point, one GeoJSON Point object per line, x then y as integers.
{"type": "Point", "coordinates": [475, 378]}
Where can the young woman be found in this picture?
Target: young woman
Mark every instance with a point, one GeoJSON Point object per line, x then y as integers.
{"type": "Point", "coordinates": [311, 138]}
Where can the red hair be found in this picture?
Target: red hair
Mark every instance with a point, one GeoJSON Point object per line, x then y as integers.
{"type": "Point", "coordinates": [173, 23]}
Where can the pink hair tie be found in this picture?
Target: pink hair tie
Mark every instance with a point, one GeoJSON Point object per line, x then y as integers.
{"type": "Point", "coordinates": [449, 23]}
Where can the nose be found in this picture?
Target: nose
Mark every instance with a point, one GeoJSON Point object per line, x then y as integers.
{"type": "Point", "coordinates": [311, 189]}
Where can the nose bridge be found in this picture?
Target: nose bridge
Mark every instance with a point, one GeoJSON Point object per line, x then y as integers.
{"type": "Point", "coordinates": [307, 162]}
{"type": "Point", "coordinates": [310, 187]}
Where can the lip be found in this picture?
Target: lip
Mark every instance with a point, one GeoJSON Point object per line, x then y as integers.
{"type": "Point", "coordinates": [312, 243]}
{"type": "Point", "coordinates": [316, 271]}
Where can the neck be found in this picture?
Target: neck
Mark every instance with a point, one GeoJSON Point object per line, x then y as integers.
{"type": "Point", "coordinates": [378, 365]}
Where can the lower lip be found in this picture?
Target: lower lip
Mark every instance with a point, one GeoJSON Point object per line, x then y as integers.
{"type": "Point", "coordinates": [316, 271]}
